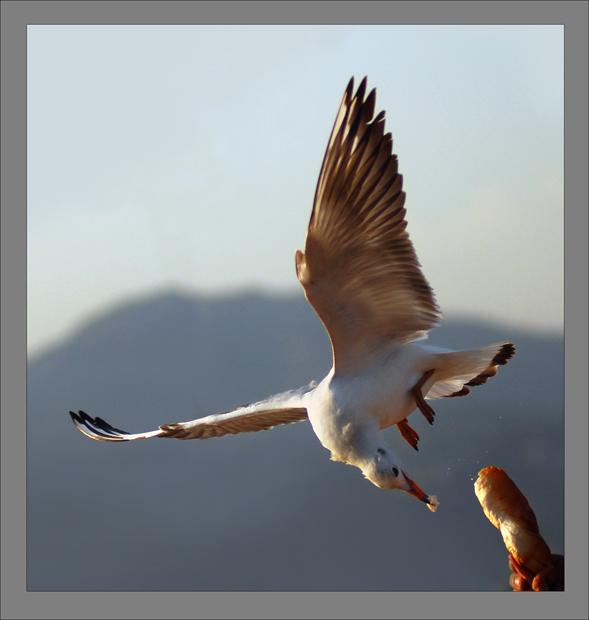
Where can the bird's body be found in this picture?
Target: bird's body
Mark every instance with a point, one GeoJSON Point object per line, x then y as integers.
{"type": "Point", "coordinates": [366, 401]}
{"type": "Point", "coordinates": [349, 412]}
{"type": "Point", "coordinates": [361, 275]}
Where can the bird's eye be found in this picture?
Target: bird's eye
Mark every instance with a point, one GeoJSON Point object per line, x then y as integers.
{"type": "Point", "coordinates": [395, 471]}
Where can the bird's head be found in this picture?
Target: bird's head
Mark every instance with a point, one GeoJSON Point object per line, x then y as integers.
{"type": "Point", "coordinates": [386, 471]}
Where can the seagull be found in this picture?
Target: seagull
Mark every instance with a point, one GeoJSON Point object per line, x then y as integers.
{"type": "Point", "coordinates": [360, 273]}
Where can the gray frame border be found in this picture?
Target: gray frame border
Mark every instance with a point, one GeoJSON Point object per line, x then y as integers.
{"type": "Point", "coordinates": [16, 601]}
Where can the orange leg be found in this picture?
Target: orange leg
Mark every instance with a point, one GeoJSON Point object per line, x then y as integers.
{"type": "Point", "coordinates": [408, 433]}
{"type": "Point", "coordinates": [427, 411]}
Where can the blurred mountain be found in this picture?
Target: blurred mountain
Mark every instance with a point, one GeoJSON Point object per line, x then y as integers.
{"type": "Point", "coordinates": [269, 511]}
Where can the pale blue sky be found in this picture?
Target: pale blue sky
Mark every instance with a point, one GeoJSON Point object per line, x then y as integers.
{"type": "Point", "coordinates": [187, 157]}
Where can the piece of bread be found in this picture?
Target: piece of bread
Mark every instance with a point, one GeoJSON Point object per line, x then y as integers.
{"type": "Point", "coordinates": [508, 510]}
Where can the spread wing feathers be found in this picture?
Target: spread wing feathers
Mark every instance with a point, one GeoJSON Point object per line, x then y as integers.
{"type": "Point", "coordinates": [359, 270]}
{"type": "Point", "coordinates": [459, 370]}
{"type": "Point", "coordinates": [284, 408]}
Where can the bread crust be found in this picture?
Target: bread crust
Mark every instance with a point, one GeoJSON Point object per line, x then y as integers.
{"type": "Point", "coordinates": [508, 510]}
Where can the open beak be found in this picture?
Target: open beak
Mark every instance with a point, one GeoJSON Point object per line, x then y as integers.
{"type": "Point", "coordinates": [431, 501]}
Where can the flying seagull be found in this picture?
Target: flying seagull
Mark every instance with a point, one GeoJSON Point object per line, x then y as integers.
{"type": "Point", "coordinates": [361, 275]}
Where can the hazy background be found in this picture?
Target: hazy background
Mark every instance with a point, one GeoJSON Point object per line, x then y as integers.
{"type": "Point", "coordinates": [188, 156]}
{"type": "Point", "coordinates": [269, 510]}
{"type": "Point", "coordinates": [171, 172]}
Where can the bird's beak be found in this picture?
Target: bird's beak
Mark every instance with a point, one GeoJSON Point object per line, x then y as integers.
{"type": "Point", "coordinates": [417, 492]}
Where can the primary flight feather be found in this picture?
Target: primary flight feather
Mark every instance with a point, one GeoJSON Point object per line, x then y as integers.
{"type": "Point", "coordinates": [360, 273]}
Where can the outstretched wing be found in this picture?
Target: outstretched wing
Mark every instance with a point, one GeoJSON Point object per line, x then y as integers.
{"type": "Point", "coordinates": [359, 270]}
{"type": "Point", "coordinates": [284, 408]}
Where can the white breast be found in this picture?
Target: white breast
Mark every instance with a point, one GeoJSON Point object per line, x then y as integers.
{"type": "Point", "coordinates": [380, 394]}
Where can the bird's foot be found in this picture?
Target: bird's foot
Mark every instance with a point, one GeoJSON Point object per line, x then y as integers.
{"type": "Point", "coordinates": [408, 433]}
{"type": "Point", "coordinates": [427, 411]}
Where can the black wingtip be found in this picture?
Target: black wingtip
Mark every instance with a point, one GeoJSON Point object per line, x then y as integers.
{"type": "Point", "coordinates": [361, 90]}
{"type": "Point", "coordinates": [506, 352]}
{"type": "Point", "coordinates": [97, 428]}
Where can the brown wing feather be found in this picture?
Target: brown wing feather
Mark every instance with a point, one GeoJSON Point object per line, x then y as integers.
{"type": "Point", "coordinates": [284, 408]}
{"type": "Point", "coordinates": [218, 425]}
{"type": "Point", "coordinates": [231, 426]}
{"type": "Point", "coordinates": [359, 270]}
